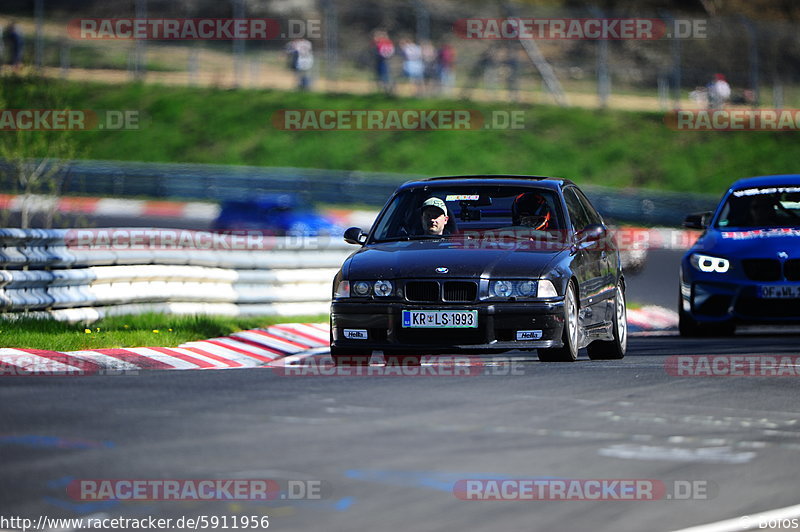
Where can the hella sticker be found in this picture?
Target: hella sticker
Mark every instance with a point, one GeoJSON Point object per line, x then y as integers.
{"type": "Point", "coordinates": [355, 334]}
{"type": "Point", "coordinates": [529, 335]}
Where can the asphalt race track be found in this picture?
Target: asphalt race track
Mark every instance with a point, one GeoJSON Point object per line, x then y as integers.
{"type": "Point", "coordinates": [387, 451]}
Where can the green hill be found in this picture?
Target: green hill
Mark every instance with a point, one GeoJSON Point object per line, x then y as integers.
{"type": "Point", "coordinates": [201, 125]}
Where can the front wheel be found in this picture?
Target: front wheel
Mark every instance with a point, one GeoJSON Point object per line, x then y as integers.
{"type": "Point", "coordinates": [569, 351]}
{"type": "Point", "coordinates": [616, 347]}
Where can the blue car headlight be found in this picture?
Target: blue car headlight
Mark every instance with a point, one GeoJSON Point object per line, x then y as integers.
{"type": "Point", "coordinates": [707, 263]}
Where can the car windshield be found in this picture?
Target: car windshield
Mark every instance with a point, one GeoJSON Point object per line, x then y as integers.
{"type": "Point", "coordinates": [761, 207]}
{"type": "Point", "coordinates": [473, 211]}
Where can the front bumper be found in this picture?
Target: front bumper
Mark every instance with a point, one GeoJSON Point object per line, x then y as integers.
{"type": "Point", "coordinates": [709, 299]}
{"type": "Point", "coordinates": [498, 323]}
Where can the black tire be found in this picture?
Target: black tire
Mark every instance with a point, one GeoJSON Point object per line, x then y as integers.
{"type": "Point", "coordinates": [402, 360]}
{"type": "Point", "coordinates": [687, 326]}
{"type": "Point", "coordinates": [616, 348]}
{"type": "Point", "coordinates": [569, 351]}
{"type": "Point", "coordinates": [350, 357]}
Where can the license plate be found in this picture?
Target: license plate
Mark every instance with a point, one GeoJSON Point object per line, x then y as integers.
{"type": "Point", "coordinates": [440, 319]}
{"type": "Point", "coordinates": [780, 292]}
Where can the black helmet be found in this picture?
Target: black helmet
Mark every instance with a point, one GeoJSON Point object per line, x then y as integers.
{"type": "Point", "coordinates": [531, 210]}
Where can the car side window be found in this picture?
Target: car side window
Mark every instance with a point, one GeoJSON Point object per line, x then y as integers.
{"type": "Point", "coordinates": [591, 212]}
{"type": "Point", "coordinates": [576, 212]}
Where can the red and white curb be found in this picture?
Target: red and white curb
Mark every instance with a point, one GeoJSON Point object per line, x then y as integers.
{"type": "Point", "coordinates": [652, 318]}
{"type": "Point", "coordinates": [287, 343]}
{"type": "Point", "coordinates": [112, 206]}
{"type": "Point", "coordinates": [244, 349]}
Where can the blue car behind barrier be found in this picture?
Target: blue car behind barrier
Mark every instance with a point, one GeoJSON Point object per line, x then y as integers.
{"type": "Point", "coordinates": [745, 267]}
{"type": "Point", "coordinates": [277, 214]}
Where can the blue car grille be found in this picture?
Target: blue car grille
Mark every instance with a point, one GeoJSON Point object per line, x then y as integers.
{"type": "Point", "coordinates": [791, 270]}
{"type": "Point", "coordinates": [769, 270]}
{"type": "Point", "coordinates": [762, 269]}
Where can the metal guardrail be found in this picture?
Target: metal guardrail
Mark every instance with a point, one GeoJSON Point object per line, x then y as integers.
{"type": "Point", "coordinates": [220, 182]}
{"type": "Point", "coordinates": [73, 275]}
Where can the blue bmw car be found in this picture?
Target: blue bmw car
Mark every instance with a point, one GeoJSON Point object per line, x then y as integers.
{"type": "Point", "coordinates": [745, 267]}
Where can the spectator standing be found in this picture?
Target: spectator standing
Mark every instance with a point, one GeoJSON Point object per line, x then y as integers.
{"type": "Point", "coordinates": [719, 92]}
{"type": "Point", "coordinates": [383, 50]}
{"type": "Point", "coordinates": [429, 59]}
{"type": "Point", "coordinates": [446, 58]}
{"type": "Point", "coordinates": [13, 41]}
{"type": "Point", "coordinates": [301, 60]}
{"type": "Point", "coordinates": [413, 65]}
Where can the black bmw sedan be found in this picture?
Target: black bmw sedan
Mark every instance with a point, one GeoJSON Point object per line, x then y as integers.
{"type": "Point", "coordinates": [473, 264]}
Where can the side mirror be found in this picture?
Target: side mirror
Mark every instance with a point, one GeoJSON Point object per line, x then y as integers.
{"type": "Point", "coordinates": [698, 220]}
{"type": "Point", "coordinates": [355, 235]}
{"type": "Point", "coordinates": [591, 234]}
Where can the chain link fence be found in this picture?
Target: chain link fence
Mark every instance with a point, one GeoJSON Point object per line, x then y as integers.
{"type": "Point", "coordinates": [760, 58]}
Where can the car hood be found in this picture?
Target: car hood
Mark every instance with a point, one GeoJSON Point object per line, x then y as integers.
{"type": "Point", "coordinates": [760, 243]}
{"type": "Point", "coordinates": [420, 259]}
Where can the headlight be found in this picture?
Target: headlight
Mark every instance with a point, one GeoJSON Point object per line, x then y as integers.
{"type": "Point", "coordinates": [706, 263]}
{"type": "Point", "coordinates": [383, 288]}
{"type": "Point", "coordinates": [361, 288]}
{"type": "Point", "coordinates": [501, 288]}
{"type": "Point", "coordinates": [527, 288]}
{"type": "Point", "coordinates": [342, 289]}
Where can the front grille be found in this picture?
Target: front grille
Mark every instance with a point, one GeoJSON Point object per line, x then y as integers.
{"type": "Point", "coordinates": [422, 291]}
{"type": "Point", "coordinates": [762, 269]}
{"type": "Point", "coordinates": [460, 291]}
{"type": "Point", "coordinates": [791, 270]}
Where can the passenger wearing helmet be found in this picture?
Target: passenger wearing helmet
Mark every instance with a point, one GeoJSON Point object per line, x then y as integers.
{"type": "Point", "coordinates": [531, 210]}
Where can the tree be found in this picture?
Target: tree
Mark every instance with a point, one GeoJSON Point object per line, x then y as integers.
{"type": "Point", "coordinates": [33, 162]}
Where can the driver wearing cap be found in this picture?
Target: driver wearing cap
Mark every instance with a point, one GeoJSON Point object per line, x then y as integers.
{"type": "Point", "coordinates": [434, 216]}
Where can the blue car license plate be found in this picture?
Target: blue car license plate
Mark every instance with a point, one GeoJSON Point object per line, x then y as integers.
{"type": "Point", "coordinates": [780, 292]}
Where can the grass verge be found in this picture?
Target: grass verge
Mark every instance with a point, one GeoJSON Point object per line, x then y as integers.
{"type": "Point", "coordinates": [146, 330]}
{"type": "Point", "coordinates": [604, 147]}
